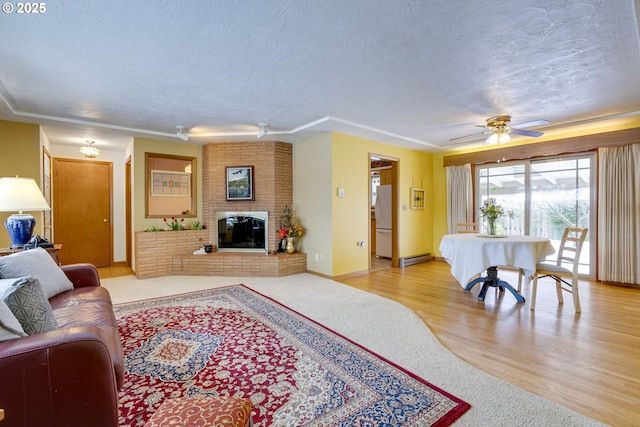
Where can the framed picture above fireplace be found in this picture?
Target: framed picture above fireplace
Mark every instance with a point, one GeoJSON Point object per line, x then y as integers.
{"type": "Point", "coordinates": [240, 183]}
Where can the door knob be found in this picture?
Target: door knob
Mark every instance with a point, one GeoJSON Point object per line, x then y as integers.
{"type": "Point", "coordinates": [105, 220]}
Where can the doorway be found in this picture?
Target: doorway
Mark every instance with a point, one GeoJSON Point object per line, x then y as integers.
{"type": "Point", "coordinates": [82, 193]}
{"type": "Point", "coordinates": [383, 232]}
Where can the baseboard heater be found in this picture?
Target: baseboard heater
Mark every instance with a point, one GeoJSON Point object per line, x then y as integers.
{"type": "Point", "coordinates": [416, 259]}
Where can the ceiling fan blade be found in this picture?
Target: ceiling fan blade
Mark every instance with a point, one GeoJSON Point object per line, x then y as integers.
{"type": "Point", "coordinates": [530, 124]}
{"type": "Point", "coordinates": [526, 132]}
{"type": "Point", "coordinates": [469, 136]}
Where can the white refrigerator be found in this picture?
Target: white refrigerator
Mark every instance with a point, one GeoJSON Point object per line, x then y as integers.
{"type": "Point", "coordinates": [383, 221]}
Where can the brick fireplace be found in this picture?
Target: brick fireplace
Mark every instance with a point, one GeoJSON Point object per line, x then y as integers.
{"type": "Point", "coordinates": [273, 180]}
{"type": "Point", "coordinates": [273, 190]}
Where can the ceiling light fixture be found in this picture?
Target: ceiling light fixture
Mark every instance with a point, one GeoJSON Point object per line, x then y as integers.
{"type": "Point", "coordinates": [182, 133]}
{"type": "Point", "coordinates": [263, 130]}
{"type": "Point", "coordinates": [89, 150]}
{"type": "Point", "coordinates": [499, 137]}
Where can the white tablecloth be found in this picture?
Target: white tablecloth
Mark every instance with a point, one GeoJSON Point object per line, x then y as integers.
{"type": "Point", "coordinates": [471, 254]}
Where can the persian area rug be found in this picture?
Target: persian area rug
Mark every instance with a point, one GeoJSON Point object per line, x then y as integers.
{"type": "Point", "coordinates": [234, 341]}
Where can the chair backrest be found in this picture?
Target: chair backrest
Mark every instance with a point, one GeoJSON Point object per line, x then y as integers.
{"type": "Point", "coordinates": [466, 227]}
{"type": "Point", "coordinates": [570, 246]}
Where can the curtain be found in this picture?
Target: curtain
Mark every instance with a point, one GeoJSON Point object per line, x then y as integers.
{"type": "Point", "coordinates": [459, 196]}
{"type": "Point", "coordinates": [619, 214]}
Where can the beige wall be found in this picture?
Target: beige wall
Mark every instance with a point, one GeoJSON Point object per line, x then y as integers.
{"type": "Point", "coordinates": [20, 155]}
{"type": "Point", "coordinates": [312, 196]}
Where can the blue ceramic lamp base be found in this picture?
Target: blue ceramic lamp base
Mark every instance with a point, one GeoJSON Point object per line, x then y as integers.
{"type": "Point", "coordinates": [20, 228]}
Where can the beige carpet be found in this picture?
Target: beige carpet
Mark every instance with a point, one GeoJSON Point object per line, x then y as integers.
{"type": "Point", "coordinates": [384, 327]}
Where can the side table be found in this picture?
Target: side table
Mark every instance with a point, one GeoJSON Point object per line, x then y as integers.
{"type": "Point", "coordinates": [52, 251]}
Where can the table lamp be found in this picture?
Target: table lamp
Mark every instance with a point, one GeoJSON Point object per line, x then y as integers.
{"type": "Point", "coordinates": [20, 194]}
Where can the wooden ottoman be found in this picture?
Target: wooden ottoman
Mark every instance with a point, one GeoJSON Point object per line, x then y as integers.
{"type": "Point", "coordinates": [203, 411]}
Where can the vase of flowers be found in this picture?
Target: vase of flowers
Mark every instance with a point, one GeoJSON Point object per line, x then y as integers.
{"type": "Point", "coordinates": [491, 211]}
{"type": "Point", "coordinates": [290, 248]}
{"type": "Point", "coordinates": [289, 228]}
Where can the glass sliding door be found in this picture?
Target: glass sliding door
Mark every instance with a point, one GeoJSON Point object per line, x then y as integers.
{"type": "Point", "coordinates": [561, 196]}
{"type": "Point", "coordinates": [542, 198]}
{"type": "Point", "coordinates": [506, 184]}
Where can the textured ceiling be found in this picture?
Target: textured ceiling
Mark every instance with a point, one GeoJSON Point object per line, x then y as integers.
{"type": "Point", "coordinates": [411, 73]}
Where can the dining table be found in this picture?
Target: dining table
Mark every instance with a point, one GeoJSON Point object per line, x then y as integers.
{"type": "Point", "coordinates": [470, 255]}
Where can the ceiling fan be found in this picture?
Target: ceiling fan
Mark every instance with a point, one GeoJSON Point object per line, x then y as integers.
{"type": "Point", "coordinates": [501, 129]}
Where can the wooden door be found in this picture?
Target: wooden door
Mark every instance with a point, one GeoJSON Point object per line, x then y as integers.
{"type": "Point", "coordinates": [82, 195]}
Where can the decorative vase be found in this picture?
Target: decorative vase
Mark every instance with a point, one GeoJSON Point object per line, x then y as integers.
{"type": "Point", "coordinates": [492, 227]}
{"type": "Point", "coordinates": [290, 248]}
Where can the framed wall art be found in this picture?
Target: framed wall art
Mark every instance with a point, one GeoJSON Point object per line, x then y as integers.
{"type": "Point", "coordinates": [240, 183]}
{"type": "Point", "coordinates": [170, 183]}
{"type": "Point", "coordinates": [171, 186]}
{"type": "Point", "coordinates": [417, 198]}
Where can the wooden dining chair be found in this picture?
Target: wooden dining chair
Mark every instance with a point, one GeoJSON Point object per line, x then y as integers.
{"type": "Point", "coordinates": [569, 253]}
{"type": "Point", "coordinates": [466, 227]}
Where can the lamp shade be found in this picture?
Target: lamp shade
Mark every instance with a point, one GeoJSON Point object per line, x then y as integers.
{"type": "Point", "coordinates": [20, 194]}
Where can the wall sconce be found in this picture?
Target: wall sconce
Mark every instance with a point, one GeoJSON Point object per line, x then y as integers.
{"type": "Point", "coordinates": [89, 150]}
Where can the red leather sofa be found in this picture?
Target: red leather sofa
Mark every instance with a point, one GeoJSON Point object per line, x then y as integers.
{"type": "Point", "coordinates": [70, 376]}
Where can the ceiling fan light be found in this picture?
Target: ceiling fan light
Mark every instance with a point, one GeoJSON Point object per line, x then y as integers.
{"type": "Point", "coordinates": [503, 138]}
{"type": "Point", "coordinates": [493, 139]}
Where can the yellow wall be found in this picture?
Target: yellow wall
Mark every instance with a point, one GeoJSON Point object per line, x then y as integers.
{"type": "Point", "coordinates": [19, 155]}
{"type": "Point", "coordinates": [142, 146]}
{"type": "Point", "coordinates": [351, 213]}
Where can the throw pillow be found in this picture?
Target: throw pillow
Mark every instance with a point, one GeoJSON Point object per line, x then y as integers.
{"type": "Point", "coordinates": [10, 328]}
{"type": "Point", "coordinates": [38, 264]}
{"type": "Point", "coordinates": [26, 301]}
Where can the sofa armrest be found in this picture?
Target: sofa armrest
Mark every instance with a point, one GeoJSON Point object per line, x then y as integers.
{"type": "Point", "coordinates": [63, 377]}
{"type": "Point", "coordinates": [82, 275]}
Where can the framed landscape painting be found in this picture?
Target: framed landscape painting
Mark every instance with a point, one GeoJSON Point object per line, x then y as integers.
{"type": "Point", "coordinates": [240, 183]}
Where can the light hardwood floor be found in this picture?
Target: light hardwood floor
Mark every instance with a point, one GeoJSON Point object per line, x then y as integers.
{"type": "Point", "coordinates": [589, 362]}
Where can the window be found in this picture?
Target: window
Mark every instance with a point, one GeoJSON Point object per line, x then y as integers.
{"type": "Point", "coordinates": [375, 182]}
{"type": "Point", "coordinates": [542, 197]}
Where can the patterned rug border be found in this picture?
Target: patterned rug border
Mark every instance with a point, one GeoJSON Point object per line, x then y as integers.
{"type": "Point", "coordinates": [450, 417]}
{"type": "Point", "coordinates": [462, 405]}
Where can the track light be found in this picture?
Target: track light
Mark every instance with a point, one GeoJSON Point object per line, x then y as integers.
{"type": "Point", "coordinates": [182, 133]}
{"type": "Point", "coordinates": [89, 150]}
{"type": "Point", "coordinates": [263, 130]}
